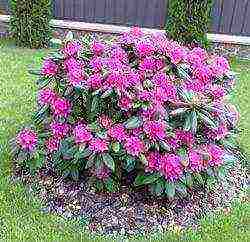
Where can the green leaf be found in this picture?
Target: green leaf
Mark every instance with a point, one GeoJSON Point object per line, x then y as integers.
{"type": "Point", "coordinates": [129, 163]}
{"type": "Point", "coordinates": [229, 160]}
{"type": "Point", "coordinates": [108, 161]}
{"type": "Point", "coordinates": [95, 104]}
{"type": "Point", "coordinates": [55, 42]}
{"type": "Point", "coordinates": [43, 82]}
{"type": "Point", "coordinates": [178, 111]}
{"type": "Point", "coordinates": [170, 189]}
{"type": "Point", "coordinates": [146, 179]}
{"type": "Point", "coordinates": [182, 189]}
{"type": "Point", "coordinates": [133, 122]}
{"type": "Point", "coordinates": [207, 119]}
{"type": "Point", "coordinates": [81, 154]}
{"type": "Point", "coordinates": [69, 36]}
{"type": "Point", "coordinates": [110, 185]}
{"type": "Point", "coordinates": [198, 177]}
{"type": "Point", "coordinates": [143, 159]}
{"type": "Point", "coordinates": [107, 93]}
{"type": "Point", "coordinates": [90, 161]}
{"type": "Point", "coordinates": [183, 72]}
{"type": "Point", "coordinates": [157, 188]}
{"type": "Point", "coordinates": [188, 123]}
{"type": "Point", "coordinates": [188, 180]}
{"type": "Point", "coordinates": [74, 173]}
{"type": "Point", "coordinates": [165, 146]}
{"type": "Point", "coordinates": [194, 122]}
{"type": "Point", "coordinates": [36, 162]}
{"type": "Point", "coordinates": [116, 147]}
{"type": "Point", "coordinates": [185, 95]}
{"type": "Point", "coordinates": [35, 72]}
{"type": "Point", "coordinates": [57, 56]}
{"type": "Point", "coordinates": [210, 172]}
{"type": "Point", "coordinates": [221, 173]}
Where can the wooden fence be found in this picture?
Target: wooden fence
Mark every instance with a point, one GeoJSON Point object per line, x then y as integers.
{"type": "Point", "coordinates": [228, 16]}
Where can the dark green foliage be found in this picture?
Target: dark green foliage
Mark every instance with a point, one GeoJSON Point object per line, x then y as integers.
{"type": "Point", "coordinates": [29, 22]}
{"type": "Point", "coordinates": [189, 20]}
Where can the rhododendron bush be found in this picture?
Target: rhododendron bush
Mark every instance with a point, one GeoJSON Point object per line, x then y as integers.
{"type": "Point", "coordinates": [139, 110]}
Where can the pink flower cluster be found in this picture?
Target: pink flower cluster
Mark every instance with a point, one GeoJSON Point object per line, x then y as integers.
{"type": "Point", "coordinates": [49, 68]}
{"type": "Point", "coordinates": [60, 106]}
{"type": "Point", "coordinates": [27, 139]}
{"type": "Point", "coordinates": [81, 134]}
{"type": "Point", "coordinates": [197, 160]}
{"type": "Point", "coordinates": [124, 94]}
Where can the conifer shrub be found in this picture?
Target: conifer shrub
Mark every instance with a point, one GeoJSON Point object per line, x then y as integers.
{"type": "Point", "coordinates": [29, 23]}
{"type": "Point", "coordinates": [189, 21]}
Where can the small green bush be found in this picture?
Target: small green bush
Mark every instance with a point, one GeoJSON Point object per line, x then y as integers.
{"type": "Point", "coordinates": [189, 20]}
{"type": "Point", "coordinates": [30, 22]}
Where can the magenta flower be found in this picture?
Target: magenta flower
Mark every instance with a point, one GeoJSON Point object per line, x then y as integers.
{"type": "Point", "coordinates": [72, 48]}
{"type": "Point", "coordinates": [164, 94]}
{"type": "Point", "coordinates": [95, 81]}
{"type": "Point", "coordinates": [185, 137]}
{"type": "Point", "coordinates": [59, 130]}
{"type": "Point", "coordinates": [97, 48]}
{"type": "Point", "coordinates": [105, 121]}
{"type": "Point", "coordinates": [218, 133]}
{"type": "Point", "coordinates": [117, 132]}
{"type": "Point", "coordinates": [98, 145]}
{"type": "Point", "coordinates": [117, 80]}
{"type": "Point", "coordinates": [145, 48]}
{"type": "Point", "coordinates": [133, 78]}
{"type": "Point", "coordinates": [196, 162]}
{"type": "Point", "coordinates": [197, 56]}
{"type": "Point", "coordinates": [154, 161]}
{"type": "Point", "coordinates": [49, 68]}
{"type": "Point", "coordinates": [61, 107]}
{"type": "Point", "coordinates": [148, 64]}
{"type": "Point", "coordinates": [134, 146]}
{"type": "Point", "coordinates": [27, 139]}
{"type": "Point", "coordinates": [171, 167]}
{"type": "Point", "coordinates": [177, 54]}
{"type": "Point", "coordinates": [52, 144]}
{"type": "Point", "coordinates": [125, 103]}
{"type": "Point", "coordinates": [102, 173]}
{"type": "Point", "coordinates": [82, 134]}
{"type": "Point", "coordinates": [71, 63]}
{"type": "Point", "coordinates": [155, 130]}
{"type": "Point", "coordinates": [219, 66]}
{"type": "Point", "coordinates": [216, 154]}
{"type": "Point", "coordinates": [203, 73]}
{"type": "Point", "coordinates": [119, 54]}
{"type": "Point", "coordinates": [195, 85]}
{"type": "Point", "coordinates": [76, 77]}
{"type": "Point", "coordinates": [217, 92]}
{"type": "Point", "coordinates": [46, 96]}
{"type": "Point", "coordinates": [144, 95]}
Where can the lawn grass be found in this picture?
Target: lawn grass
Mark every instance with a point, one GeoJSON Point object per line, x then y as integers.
{"type": "Point", "coordinates": [20, 215]}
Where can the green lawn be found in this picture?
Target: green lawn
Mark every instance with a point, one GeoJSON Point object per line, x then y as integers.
{"type": "Point", "coordinates": [20, 216]}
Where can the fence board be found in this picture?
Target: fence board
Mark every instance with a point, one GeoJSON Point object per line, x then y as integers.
{"type": "Point", "coordinates": [100, 11]}
{"type": "Point", "coordinates": [131, 12]}
{"type": "Point", "coordinates": [227, 13]}
{"type": "Point", "coordinates": [238, 18]}
{"type": "Point", "coordinates": [246, 25]}
{"type": "Point", "coordinates": [216, 13]}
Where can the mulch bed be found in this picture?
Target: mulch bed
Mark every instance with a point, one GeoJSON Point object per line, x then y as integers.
{"type": "Point", "coordinates": [127, 212]}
